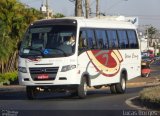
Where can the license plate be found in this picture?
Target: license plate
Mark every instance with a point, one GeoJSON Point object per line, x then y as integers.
{"type": "Point", "coordinates": [43, 76]}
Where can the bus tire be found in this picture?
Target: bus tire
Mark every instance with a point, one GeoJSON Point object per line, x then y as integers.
{"type": "Point", "coordinates": [121, 87]}
{"type": "Point", "coordinates": [82, 89]}
{"type": "Point", "coordinates": [113, 89]}
{"type": "Point", "coordinates": [31, 92]}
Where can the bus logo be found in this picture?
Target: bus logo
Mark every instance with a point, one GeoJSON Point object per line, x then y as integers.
{"type": "Point", "coordinates": [107, 62]}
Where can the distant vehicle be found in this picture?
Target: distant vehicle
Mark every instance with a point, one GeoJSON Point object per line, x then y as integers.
{"type": "Point", "coordinates": [145, 69]}
{"type": "Point", "coordinates": [148, 53]}
{"type": "Point", "coordinates": [157, 57]}
{"type": "Point", "coordinates": [106, 53]}
{"type": "Point", "coordinates": [144, 54]}
{"type": "Point", "coordinates": [146, 59]}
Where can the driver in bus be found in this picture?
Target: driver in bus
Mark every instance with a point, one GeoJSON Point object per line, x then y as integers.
{"type": "Point", "coordinates": [70, 40]}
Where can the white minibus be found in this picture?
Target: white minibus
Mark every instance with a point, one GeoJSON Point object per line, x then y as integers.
{"type": "Point", "coordinates": [73, 54]}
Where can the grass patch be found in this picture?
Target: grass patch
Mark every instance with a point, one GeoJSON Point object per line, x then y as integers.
{"type": "Point", "coordinates": [150, 94]}
{"type": "Point", "coordinates": [9, 78]}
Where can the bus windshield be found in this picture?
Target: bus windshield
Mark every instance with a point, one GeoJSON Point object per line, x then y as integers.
{"type": "Point", "coordinates": [49, 41]}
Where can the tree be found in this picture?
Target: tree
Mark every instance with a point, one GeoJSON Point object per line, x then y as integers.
{"type": "Point", "coordinates": [6, 27]}
{"type": "Point", "coordinates": [153, 38]}
{"type": "Point", "coordinates": [151, 31]}
{"type": "Point", "coordinates": [14, 19]}
{"type": "Point", "coordinates": [58, 15]}
{"type": "Point", "coordinates": [78, 8]}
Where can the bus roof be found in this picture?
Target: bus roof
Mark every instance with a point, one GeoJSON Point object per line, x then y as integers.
{"type": "Point", "coordinates": [83, 22]}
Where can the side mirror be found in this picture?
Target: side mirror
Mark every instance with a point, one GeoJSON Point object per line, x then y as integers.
{"type": "Point", "coordinates": [19, 45]}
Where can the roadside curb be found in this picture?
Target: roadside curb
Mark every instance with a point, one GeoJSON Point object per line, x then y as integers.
{"type": "Point", "coordinates": [139, 107]}
{"type": "Point", "coordinates": [153, 84]}
{"type": "Point", "coordinates": [12, 88]}
{"type": "Point", "coordinates": [143, 84]}
{"type": "Point", "coordinates": [136, 84]}
{"type": "Point", "coordinates": [129, 103]}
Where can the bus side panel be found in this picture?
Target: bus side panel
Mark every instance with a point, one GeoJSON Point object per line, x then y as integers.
{"type": "Point", "coordinates": [132, 62]}
{"type": "Point", "coordinates": [105, 66]}
{"type": "Point", "coordinates": [102, 66]}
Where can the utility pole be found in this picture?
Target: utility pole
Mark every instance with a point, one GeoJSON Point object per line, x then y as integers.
{"type": "Point", "coordinates": [87, 8]}
{"type": "Point", "coordinates": [97, 8]}
{"type": "Point", "coordinates": [47, 10]}
{"type": "Point", "coordinates": [147, 39]}
{"type": "Point", "coordinates": [78, 8]}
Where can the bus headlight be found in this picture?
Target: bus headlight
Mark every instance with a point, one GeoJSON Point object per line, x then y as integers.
{"type": "Point", "coordinates": [22, 69]}
{"type": "Point", "coordinates": [67, 68]}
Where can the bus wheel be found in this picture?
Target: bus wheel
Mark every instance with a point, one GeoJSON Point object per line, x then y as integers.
{"type": "Point", "coordinates": [82, 88]}
{"type": "Point", "coordinates": [121, 87]}
{"type": "Point", "coordinates": [113, 88]}
{"type": "Point", "coordinates": [31, 92]}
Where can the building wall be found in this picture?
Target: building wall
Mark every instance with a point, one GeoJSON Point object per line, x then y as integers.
{"type": "Point", "coordinates": [143, 44]}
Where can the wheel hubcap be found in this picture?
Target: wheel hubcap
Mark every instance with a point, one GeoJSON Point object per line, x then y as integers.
{"type": "Point", "coordinates": [85, 88]}
{"type": "Point", "coordinates": [123, 84]}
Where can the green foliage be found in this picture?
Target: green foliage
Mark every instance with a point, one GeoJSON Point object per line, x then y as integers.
{"type": "Point", "coordinates": [6, 46]}
{"type": "Point", "coordinates": [158, 54]}
{"type": "Point", "coordinates": [8, 78]}
{"type": "Point", "coordinates": [151, 31]}
{"type": "Point", "coordinates": [151, 94]}
{"type": "Point", "coordinates": [58, 15]}
{"type": "Point", "coordinates": [14, 19]}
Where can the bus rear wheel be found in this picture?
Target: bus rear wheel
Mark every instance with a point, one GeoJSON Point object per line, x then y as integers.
{"type": "Point", "coordinates": [121, 87]}
{"type": "Point", "coordinates": [31, 92]}
{"type": "Point", "coordinates": [113, 88]}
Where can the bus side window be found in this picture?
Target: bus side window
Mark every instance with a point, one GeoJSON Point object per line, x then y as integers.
{"type": "Point", "coordinates": [112, 39]}
{"type": "Point", "coordinates": [92, 44]}
{"type": "Point", "coordinates": [123, 41]}
{"type": "Point", "coordinates": [101, 38]}
{"type": "Point", "coordinates": [82, 41]}
{"type": "Point", "coordinates": [133, 42]}
{"type": "Point", "coordinates": [100, 43]}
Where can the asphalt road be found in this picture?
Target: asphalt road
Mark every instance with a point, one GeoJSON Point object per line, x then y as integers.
{"type": "Point", "coordinates": [155, 69]}
{"type": "Point", "coordinates": [97, 100]}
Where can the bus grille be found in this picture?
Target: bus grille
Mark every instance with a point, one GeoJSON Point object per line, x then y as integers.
{"type": "Point", "coordinates": [37, 74]}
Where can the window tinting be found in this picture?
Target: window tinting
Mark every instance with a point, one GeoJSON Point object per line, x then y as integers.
{"type": "Point", "coordinates": [122, 37]}
{"type": "Point", "coordinates": [101, 39]}
{"type": "Point", "coordinates": [107, 39]}
{"type": "Point", "coordinates": [133, 43]}
{"type": "Point", "coordinates": [82, 40]}
{"type": "Point", "coordinates": [112, 39]}
{"type": "Point", "coordinates": [47, 38]}
{"type": "Point", "coordinates": [91, 39]}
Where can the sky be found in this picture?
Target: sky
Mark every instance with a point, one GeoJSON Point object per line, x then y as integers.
{"type": "Point", "coordinates": [147, 11]}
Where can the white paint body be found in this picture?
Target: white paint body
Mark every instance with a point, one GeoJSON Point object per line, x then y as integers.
{"type": "Point", "coordinates": [131, 61]}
